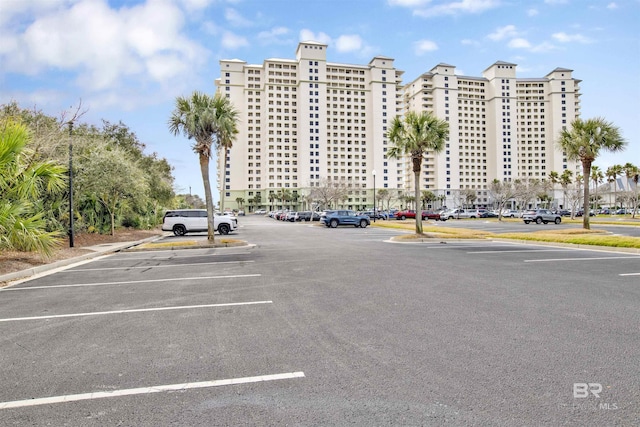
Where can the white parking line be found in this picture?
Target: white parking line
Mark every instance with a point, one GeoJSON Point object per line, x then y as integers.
{"type": "Point", "coordinates": [159, 266]}
{"type": "Point", "coordinates": [629, 274]}
{"type": "Point", "coordinates": [581, 259]}
{"type": "Point", "coordinates": [172, 254]}
{"type": "Point", "coordinates": [147, 390]}
{"type": "Point", "coordinates": [137, 310]}
{"type": "Point", "coordinates": [130, 282]}
{"type": "Point", "coordinates": [520, 250]}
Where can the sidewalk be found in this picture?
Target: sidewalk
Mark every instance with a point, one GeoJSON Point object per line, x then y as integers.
{"type": "Point", "coordinates": [96, 251]}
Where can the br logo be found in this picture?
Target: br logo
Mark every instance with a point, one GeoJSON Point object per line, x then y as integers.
{"type": "Point", "coordinates": [582, 390]}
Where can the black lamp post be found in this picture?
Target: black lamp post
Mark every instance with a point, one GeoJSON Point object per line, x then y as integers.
{"type": "Point", "coordinates": [70, 185]}
{"type": "Point", "coordinates": [373, 172]}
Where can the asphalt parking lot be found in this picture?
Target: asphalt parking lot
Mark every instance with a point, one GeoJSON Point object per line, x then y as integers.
{"type": "Point", "coordinates": [318, 326]}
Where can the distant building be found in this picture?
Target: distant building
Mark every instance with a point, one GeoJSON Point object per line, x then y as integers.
{"type": "Point", "coordinates": [306, 120]}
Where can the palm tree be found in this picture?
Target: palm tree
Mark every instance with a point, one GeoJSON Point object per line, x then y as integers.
{"type": "Point", "coordinates": [208, 121]}
{"type": "Point", "coordinates": [427, 197]}
{"type": "Point", "coordinates": [583, 141]}
{"type": "Point", "coordinates": [418, 134]}
{"type": "Point", "coordinates": [24, 180]}
{"type": "Point", "coordinates": [631, 173]}
{"type": "Point", "coordinates": [240, 202]}
{"type": "Point", "coordinates": [612, 176]}
{"type": "Point", "coordinates": [554, 179]}
{"type": "Point", "coordinates": [596, 176]}
{"type": "Point", "coordinates": [272, 197]}
{"type": "Point", "coordinates": [565, 180]}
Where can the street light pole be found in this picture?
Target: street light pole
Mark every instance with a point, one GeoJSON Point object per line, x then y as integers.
{"type": "Point", "coordinates": [70, 185]}
{"type": "Point", "coordinates": [373, 172]}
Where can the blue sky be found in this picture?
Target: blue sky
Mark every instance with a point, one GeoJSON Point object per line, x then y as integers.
{"type": "Point", "coordinates": [127, 60]}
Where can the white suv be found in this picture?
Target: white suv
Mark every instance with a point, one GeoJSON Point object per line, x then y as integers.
{"type": "Point", "coordinates": [182, 221]}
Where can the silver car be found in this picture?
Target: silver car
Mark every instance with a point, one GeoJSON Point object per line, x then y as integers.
{"type": "Point", "coordinates": [540, 216]}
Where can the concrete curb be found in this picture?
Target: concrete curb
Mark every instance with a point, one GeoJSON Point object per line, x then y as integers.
{"type": "Point", "coordinates": [116, 247]}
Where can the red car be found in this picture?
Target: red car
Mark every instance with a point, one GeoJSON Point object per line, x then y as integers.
{"type": "Point", "coordinates": [410, 213]}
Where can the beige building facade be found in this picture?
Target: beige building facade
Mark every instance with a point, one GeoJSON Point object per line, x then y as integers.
{"type": "Point", "coordinates": [304, 121]}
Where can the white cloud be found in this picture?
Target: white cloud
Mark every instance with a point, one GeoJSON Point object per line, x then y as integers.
{"type": "Point", "coordinates": [232, 41]}
{"type": "Point", "coordinates": [422, 46]}
{"type": "Point", "coordinates": [568, 38]}
{"type": "Point", "coordinates": [532, 12]}
{"type": "Point", "coordinates": [273, 36]}
{"type": "Point", "coordinates": [469, 42]}
{"type": "Point", "coordinates": [348, 43]}
{"type": "Point", "coordinates": [508, 31]}
{"type": "Point", "coordinates": [103, 48]}
{"type": "Point", "coordinates": [308, 35]}
{"type": "Point", "coordinates": [556, 1]}
{"type": "Point", "coordinates": [458, 7]}
{"type": "Point", "coordinates": [235, 19]}
{"type": "Point", "coordinates": [612, 5]}
{"type": "Point", "coordinates": [519, 43]}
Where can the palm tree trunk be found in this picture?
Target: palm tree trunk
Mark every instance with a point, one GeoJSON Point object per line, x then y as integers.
{"type": "Point", "coordinates": [416, 173]}
{"type": "Point", "coordinates": [204, 169]}
{"type": "Point", "coordinates": [224, 178]}
{"type": "Point", "coordinates": [586, 171]}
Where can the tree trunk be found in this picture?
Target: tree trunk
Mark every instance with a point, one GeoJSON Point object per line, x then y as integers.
{"type": "Point", "coordinates": [204, 169]}
{"type": "Point", "coordinates": [224, 180]}
{"type": "Point", "coordinates": [417, 163]}
{"type": "Point", "coordinates": [586, 172]}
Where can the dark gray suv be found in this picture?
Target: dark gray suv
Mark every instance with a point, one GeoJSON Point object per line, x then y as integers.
{"type": "Point", "coordinates": [335, 218]}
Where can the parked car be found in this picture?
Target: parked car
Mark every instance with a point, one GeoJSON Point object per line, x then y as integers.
{"type": "Point", "coordinates": [304, 216]}
{"type": "Point", "coordinates": [378, 214]}
{"type": "Point", "coordinates": [182, 221]}
{"type": "Point", "coordinates": [540, 216]}
{"type": "Point", "coordinates": [291, 216]}
{"type": "Point", "coordinates": [580, 212]}
{"type": "Point", "coordinates": [459, 214]}
{"type": "Point", "coordinates": [431, 215]}
{"type": "Point", "coordinates": [334, 218]}
{"type": "Point", "coordinates": [510, 213]}
{"type": "Point", "coordinates": [410, 213]}
{"type": "Point", "coordinates": [260, 212]}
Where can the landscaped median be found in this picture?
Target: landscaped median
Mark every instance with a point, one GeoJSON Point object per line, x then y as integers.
{"type": "Point", "coordinates": [564, 236]}
{"type": "Point", "coordinates": [188, 244]}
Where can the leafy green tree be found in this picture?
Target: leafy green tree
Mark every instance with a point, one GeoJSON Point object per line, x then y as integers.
{"type": "Point", "coordinates": [114, 179]}
{"type": "Point", "coordinates": [583, 141]}
{"type": "Point", "coordinates": [415, 136]}
{"type": "Point", "coordinates": [23, 181]}
{"type": "Point", "coordinates": [206, 120]}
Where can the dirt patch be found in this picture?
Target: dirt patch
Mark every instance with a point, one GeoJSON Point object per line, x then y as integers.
{"type": "Point", "coordinates": [11, 261]}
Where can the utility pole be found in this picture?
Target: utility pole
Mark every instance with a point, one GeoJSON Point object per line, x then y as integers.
{"type": "Point", "coordinates": [70, 184]}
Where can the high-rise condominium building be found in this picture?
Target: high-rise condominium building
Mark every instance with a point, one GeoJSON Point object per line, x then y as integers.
{"type": "Point", "coordinates": [305, 122]}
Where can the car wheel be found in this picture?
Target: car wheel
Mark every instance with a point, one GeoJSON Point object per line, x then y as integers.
{"type": "Point", "coordinates": [363, 223]}
{"type": "Point", "coordinates": [333, 223]}
{"type": "Point", "coordinates": [527, 222]}
{"type": "Point", "coordinates": [558, 220]}
{"type": "Point", "coordinates": [403, 217]}
{"type": "Point", "coordinates": [472, 217]}
{"type": "Point", "coordinates": [223, 229]}
{"type": "Point", "coordinates": [538, 220]}
{"type": "Point", "coordinates": [179, 230]}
